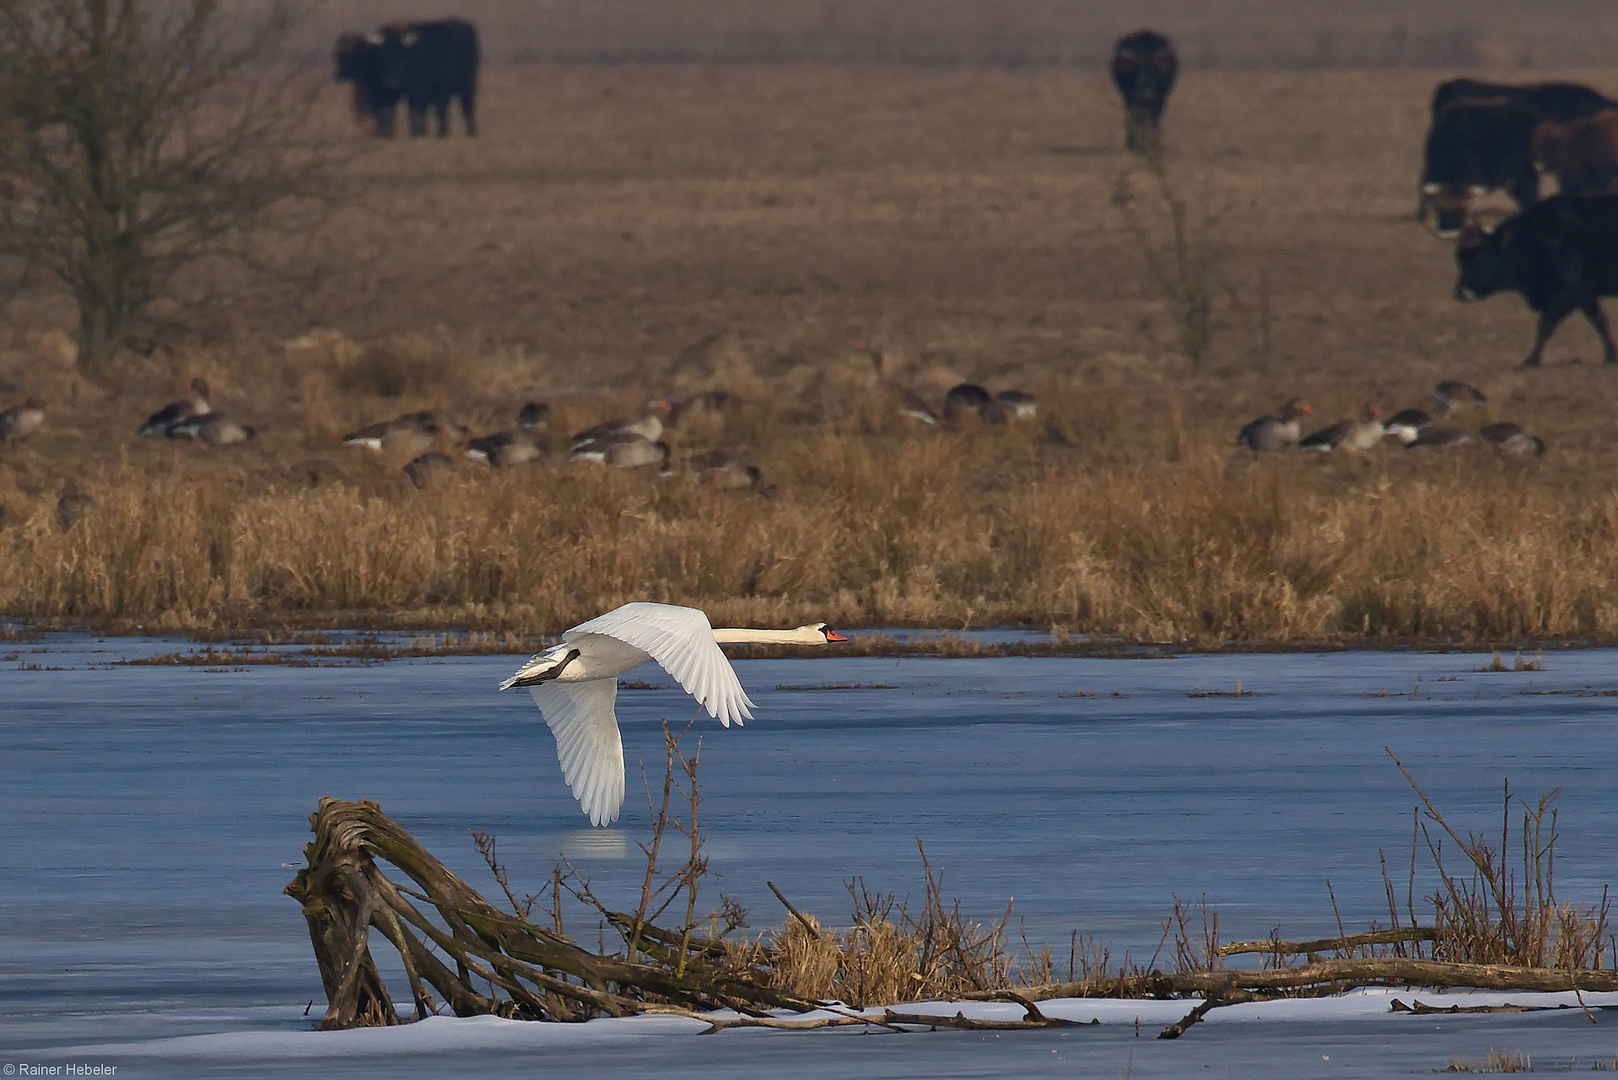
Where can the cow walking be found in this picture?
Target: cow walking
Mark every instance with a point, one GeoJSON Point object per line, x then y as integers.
{"type": "Point", "coordinates": [1476, 146]}
{"type": "Point", "coordinates": [1561, 255]}
{"type": "Point", "coordinates": [1143, 69]}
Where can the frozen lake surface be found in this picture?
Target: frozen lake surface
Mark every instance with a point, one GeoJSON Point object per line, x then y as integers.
{"type": "Point", "coordinates": [153, 815]}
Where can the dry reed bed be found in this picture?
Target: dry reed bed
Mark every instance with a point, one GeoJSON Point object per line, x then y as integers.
{"type": "Point", "coordinates": [955, 530]}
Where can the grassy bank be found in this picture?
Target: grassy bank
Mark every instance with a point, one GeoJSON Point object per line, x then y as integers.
{"type": "Point", "coordinates": [946, 530]}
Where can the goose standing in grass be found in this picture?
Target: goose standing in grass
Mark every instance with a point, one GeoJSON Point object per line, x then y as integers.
{"type": "Point", "coordinates": [1275, 431]}
{"type": "Point", "coordinates": [513, 446]}
{"type": "Point", "coordinates": [575, 685]}
{"type": "Point", "coordinates": [623, 452]}
{"type": "Point", "coordinates": [648, 425]}
{"type": "Point", "coordinates": [1453, 396]}
{"type": "Point", "coordinates": [21, 421]}
{"type": "Point", "coordinates": [178, 411]}
{"type": "Point", "coordinates": [1511, 440]}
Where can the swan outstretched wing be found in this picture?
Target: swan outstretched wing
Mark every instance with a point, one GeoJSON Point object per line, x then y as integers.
{"type": "Point", "coordinates": [580, 715]}
{"type": "Point", "coordinates": [681, 640]}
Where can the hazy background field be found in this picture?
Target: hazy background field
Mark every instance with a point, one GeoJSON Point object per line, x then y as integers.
{"type": "Point", "coordinates": [1230, 33]}
{"type": "Point", "coordinates": [620, 231]}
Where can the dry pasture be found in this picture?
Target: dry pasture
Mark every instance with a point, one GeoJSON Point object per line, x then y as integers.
{"type": "Point", "coordinates": [620, 232]}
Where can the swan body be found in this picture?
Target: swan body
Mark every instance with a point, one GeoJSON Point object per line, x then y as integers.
{"type": "Point", "coordinates": [575, 685]}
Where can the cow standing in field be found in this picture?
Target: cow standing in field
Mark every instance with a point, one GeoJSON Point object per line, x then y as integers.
{"type": "Point", "coordinates": [1561, 255]}
{"type": "Point", "coordinates": [427, 65]}
{"type": "Point", "coordinates": [1560, 101]}
{"type": "Point", "coordinates": [1482, 138]}
{"type": "Point", "coordinates": [431, 64]}
{"type": "Point", "coordinates": [1143, 69]}
{"type": "Point", "coordinates": [1476, 146]}
{"type": "Point", "coordinates": [358, 59]}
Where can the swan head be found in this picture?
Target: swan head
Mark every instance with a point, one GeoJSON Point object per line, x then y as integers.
{"type": "Point", "coordinates": [816, 634]}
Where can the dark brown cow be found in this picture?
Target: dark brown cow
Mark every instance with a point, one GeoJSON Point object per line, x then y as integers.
{"type": "Point", "coordinates": [1582, 155]}
{"type": "Point", "coordinates": [1143, 69]}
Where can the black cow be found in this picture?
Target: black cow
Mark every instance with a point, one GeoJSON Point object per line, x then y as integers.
{"type": "Point", "coordinates": [358, 59]}
{"type": "Point", "coordinates": [1475, 146]}
{"type": "Point", "coordinates": [1560, 255]}
{"type": "Point", "coordinates": [1143, 70]}
{"type": "Point", "coordinates": [1559, 101]}
{"type": "Point", "coordinates": [429, 64]}
{"type": "Point", "coordinates": [1482, 138]}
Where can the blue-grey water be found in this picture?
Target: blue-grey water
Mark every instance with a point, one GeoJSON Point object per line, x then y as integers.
{"type": "Point", "coordinates": [152, 816]}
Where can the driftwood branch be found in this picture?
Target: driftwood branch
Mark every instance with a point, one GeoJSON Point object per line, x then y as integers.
{"type": "Point", "coordinates": [542, 974]}
{"type": "Point", "coordinates": [1342, 943]}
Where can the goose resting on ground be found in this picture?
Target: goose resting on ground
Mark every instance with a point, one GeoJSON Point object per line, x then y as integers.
{"type": "Point", "coordinates": [575, 685]}
{"type": "Point", "coordinates": [177, 411]}
{"type": "Point", "coordinates": [1275, 431]}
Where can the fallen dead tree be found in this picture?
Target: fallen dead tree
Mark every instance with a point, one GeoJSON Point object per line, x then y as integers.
{"type": "Point", "coordinates": [542, 975]}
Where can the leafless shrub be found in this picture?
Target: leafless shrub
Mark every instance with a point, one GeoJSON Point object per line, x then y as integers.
{"type": "Point", "coordinates": [146, 142]}
{"type": "Point", "coordinates": [1179, 241]}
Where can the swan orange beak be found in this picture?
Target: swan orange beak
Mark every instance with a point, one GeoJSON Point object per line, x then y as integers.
{"type": "Point", "coordinates": [832, 635]}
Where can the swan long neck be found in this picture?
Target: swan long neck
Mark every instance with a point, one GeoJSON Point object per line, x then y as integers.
{"type": "Point", "coordinates": [735, 636]}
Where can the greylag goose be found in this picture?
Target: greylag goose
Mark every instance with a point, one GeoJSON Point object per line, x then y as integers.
{"type": "Point", "coordinates": [1440, 438]}
{"type": "Point", "coordinates": [910, 404]}
{"type": "Point", "coordinates": [514, 446]}
{"type": "Point", "coordinates": [623, 452]}
{"type": "Point", "coordinates": [703, 402]}
{"type": "Point", "coordinates": [1361, 434]}
{"type": "Point", "coordinates": [1274, 431]}
{"type": "Point", "coordinates": [965, 398]}
{"type": "Point", "coordinates": [1406, 425]}
{"type": "Point", "coordinates": [176, 411]}
{"type": "Point", "coordinates": [21, 421]}
{"type": "Point", "coordinates": [410, 434]}
{"type": "Point", "coordinates": [421, 470]}
{"type": "Point", "coordinates": [575, 685]}
{"type": "Point", "coordinates": [1454, 396]}
{"type": "Point", "coordinates": [727, 468]}
{"type": "Point", "coordinates": [648, 425]}
{"type": "Point", "coordinates": [1017, 405]}
{"type": "Point", "coordinates": [1510, 439]}
{"type": "Point", "coordinates": [71, 505]}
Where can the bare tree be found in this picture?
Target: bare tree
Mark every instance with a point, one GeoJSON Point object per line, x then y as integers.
{"type": "Point", "coordinates": [140, 141]}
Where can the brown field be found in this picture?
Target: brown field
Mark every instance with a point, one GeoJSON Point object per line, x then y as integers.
{"type": "Point", "coordinates": [622, 232]}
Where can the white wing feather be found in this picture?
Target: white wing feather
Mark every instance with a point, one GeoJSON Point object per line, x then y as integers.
{"type": "Point", "coordinates": [580, 715]}
{"type": "Point", "coordinates": [681, 640]}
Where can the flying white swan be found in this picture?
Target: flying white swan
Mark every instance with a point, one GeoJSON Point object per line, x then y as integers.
{"type": "Point", "coordinates": [575, 685]}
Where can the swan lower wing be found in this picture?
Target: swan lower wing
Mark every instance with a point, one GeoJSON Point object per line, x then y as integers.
{"type": "Point", "coordinates": [580, 715]}
{"type": "Point", "coordinates": [681, 640]}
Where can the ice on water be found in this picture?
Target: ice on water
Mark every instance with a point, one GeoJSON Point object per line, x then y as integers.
{"type": "Point", "coordinates": [153, 815]}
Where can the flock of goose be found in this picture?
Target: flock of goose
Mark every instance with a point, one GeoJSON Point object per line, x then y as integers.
{"type": "Point", "coordinates": [626, 442]}
{"type": "Point", "coordinates": [1413, 428]}
{"type": "Point", "coordinates": [637, 441]}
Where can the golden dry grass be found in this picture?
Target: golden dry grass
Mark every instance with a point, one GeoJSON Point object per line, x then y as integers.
{"type": "Point", "coordinates": [620, 232]}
